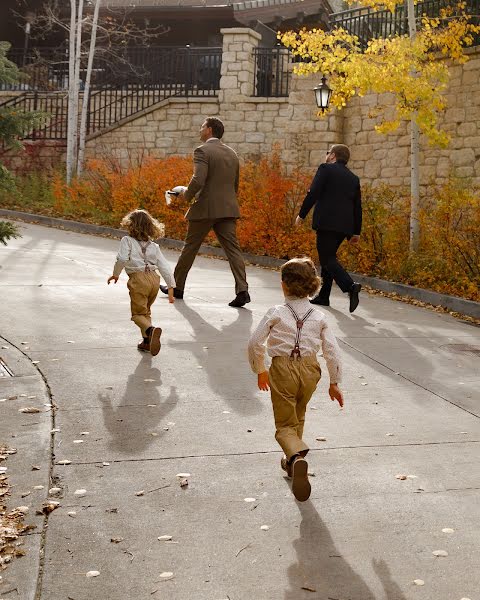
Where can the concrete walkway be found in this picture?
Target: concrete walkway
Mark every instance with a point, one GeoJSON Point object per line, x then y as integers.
{"type": "Point", "coordinates": [129, 423]}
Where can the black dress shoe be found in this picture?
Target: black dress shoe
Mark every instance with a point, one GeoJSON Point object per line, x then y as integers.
{"type": "Point", "coordinates": [176, 292]}
{"type": "Point", "coordinates": [320, 301]}
{"type": "Point", "coordinates": [353, 295]}
{"type": "Point", "coordinates": [241, 299]}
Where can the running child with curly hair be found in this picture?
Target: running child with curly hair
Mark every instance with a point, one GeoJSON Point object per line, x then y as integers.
{"type": "Point", "coordinates": [294, 332]}
{"type": "Point", "coordinates": [141, 258]}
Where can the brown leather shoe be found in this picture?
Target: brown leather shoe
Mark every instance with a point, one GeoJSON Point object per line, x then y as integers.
{"type": "Point", "coordinates": [144, 347]}
{"type": "Point", "coordinates": [300, 485]}
{"type": "Point", "coordinates": [154, 339]}
{"type": "Point", "coordinates": [286, 466]}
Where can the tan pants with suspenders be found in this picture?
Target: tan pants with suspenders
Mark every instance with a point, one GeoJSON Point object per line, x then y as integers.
{"type": "Point", "coordinates": [293, 379]}
{"type": "Point", "coordinates": [143, 287]}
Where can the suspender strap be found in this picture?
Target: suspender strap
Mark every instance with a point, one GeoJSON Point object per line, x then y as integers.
{"type": "Point", "coordinates": [299, 321]}
{"type": "Point", "coordinates": [143, 248]}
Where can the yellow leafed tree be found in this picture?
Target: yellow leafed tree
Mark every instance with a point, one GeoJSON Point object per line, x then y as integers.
{"type": "Point", "coordinates": [406, 67]}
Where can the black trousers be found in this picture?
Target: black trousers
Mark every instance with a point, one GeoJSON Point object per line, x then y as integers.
{"type": "Point", "coordinates": [328, 243]}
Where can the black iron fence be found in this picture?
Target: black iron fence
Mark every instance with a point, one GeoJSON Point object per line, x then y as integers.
{"type": "Point", "coordinates": [135, 81]}
{"type": "Point", "coordinates": [189, 69]}
{"type": "Point", "coordinates": [272, 72]}
{"type": "Point", "coordinates": [53, 105]}
{"type": "Point", "coordinates": [367, 23]}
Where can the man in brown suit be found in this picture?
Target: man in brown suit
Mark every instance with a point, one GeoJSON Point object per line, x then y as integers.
{"type": "Point", "coordinates": [213, 189]}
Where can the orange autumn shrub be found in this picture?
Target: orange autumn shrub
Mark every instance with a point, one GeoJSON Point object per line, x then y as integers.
{"type": "Point", "coordinates": [449, 256]}
{"type": "Point", "coordinates": [107, 189]}
{"type": "Point", "coordinates": [269, 203]}
{"type": "Point", "coordinates": [448, 259]}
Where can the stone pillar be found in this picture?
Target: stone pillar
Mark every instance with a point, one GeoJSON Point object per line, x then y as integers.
{"type": "Point", "coordinates": [238, 64]}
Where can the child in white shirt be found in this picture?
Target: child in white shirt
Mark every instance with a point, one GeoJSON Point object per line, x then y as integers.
{"type": "Point", "coordinates": [294, 332]}
{"type": "Point", "coordinates": [141, 257]}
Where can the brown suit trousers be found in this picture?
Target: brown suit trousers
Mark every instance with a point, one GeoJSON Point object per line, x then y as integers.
{"type": "Point", "coordinates": [226, 232]}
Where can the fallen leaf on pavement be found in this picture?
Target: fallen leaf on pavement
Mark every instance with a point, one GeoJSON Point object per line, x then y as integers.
{"type": "Point", "coordinates": [48, 507]}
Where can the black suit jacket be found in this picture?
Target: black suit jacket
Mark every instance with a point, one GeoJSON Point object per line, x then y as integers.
{"type": "Point", "coordinates": [335, 192]}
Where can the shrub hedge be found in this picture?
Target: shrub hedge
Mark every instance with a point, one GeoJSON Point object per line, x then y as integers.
{"type": "Point", "coordinates": [448, 260]}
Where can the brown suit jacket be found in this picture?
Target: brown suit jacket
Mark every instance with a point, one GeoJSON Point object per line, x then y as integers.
{"type": "Point", "coordinates": [214, 184]}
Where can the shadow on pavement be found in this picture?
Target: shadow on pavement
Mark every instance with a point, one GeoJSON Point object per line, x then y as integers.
{"type": "Point", "coordinates": [321, 572]}
{"type": "Point", "coordinates": [132, 421]}
{"type": "Point", "coordinates": [403, 348]}
{"type": "Point", "coordinates": [225, 362]}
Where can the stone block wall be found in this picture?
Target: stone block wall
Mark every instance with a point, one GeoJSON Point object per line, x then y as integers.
{"type": "Point", "coordinates": [378, 157]}
{"type": "Point", "coordinates": [253, 126]}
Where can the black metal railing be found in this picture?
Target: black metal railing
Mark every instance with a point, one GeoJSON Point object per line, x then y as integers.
{"type": "Point", "coordinates": [271, 72]}
{"type": "Point", "coordinates": [54, 107]}
{"type": "Point", "coordinates": [122, 89]}
{"type": "Point", "coordinates": [367, 23]}
{"type": "Point", "coordinates": [46, 69]}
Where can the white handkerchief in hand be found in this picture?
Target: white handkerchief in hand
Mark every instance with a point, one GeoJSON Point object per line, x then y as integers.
{"type": "Point", "coordinates": [178, 189]}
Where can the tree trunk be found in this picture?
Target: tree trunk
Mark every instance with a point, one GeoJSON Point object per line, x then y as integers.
{"type": "Point", "coordinates": [86, 91]}
{"type": "Point", "coordinates": [78, 59]}
{"type": "Point", "coordinates": [71, 91]}
{"type": "Point", "coordinates": [414, 153]}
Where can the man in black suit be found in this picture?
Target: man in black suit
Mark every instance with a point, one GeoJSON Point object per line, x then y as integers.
{"type": "Point", "coordinates": [335, 193]}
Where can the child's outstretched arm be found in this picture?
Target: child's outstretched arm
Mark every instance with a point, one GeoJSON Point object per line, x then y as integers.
{"type": "Point", "coordinates": [122, 257]}
{"type": "Point", "coordinates": [331, 354]}
{"type": "Point", "coordinates": [256, 349]}
{"type": "Point", "coordinates": [166, 272]}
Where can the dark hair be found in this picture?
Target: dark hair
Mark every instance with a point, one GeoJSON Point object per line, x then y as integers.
{"type": "Point", "coordinates": [216, 126]}
{"type": "Point", "coordinates": [142, 226]}
{"type": "Point", "coordinates": [300, 277]}
{"type": "Point", "coordinates": [342, 153]}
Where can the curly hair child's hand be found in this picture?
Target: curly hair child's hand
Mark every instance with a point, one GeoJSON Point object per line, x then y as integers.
{"type": "Point", "coordinates": [336, 394]}
{"type": "Point", "coordinates": [112, 278]}
{"type": "Point", "coordinates": [263, 381]}
{"type": "Point", "coordinates": [171, 297]}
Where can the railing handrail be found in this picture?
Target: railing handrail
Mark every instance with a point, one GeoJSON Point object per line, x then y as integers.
{"type": "Point", "coordinates": [368, 23]}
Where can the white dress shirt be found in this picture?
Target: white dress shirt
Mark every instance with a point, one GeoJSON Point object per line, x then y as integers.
{"type": "Point", "coordinates": [134, 256]}
{"type": "Point", "coordinates": [278, 327]}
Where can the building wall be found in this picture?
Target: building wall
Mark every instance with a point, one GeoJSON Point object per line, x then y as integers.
{"type": "Point", "coordinates": [255, 125]}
